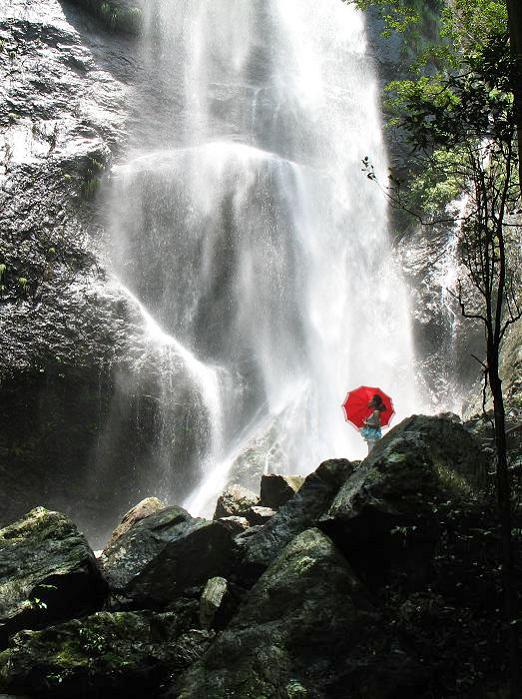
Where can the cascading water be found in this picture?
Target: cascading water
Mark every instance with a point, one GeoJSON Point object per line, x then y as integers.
{"type": "Point", "coordinates": [243, 224]}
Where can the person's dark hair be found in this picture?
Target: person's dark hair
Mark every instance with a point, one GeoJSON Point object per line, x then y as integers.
{"type": "Point", "coordinates": [378, 403]}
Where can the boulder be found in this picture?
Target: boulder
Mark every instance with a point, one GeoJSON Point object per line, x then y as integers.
{"type": "Point", "coordinates": [204, 550]}
{"type": "Point", "coordinates": [385, 515]}
{"type": "Point", "coordinates": [211, 600]}
{"type": "Point", "coordinates": [235, 525]}
{"type": "Point", "coordinates": [276, 489]}
{"type": "Point", "coordinates": [217, 604]}
{"type": "Point", "coordinates": [163, 555]}
{"type": "Point", "coordinates": [235, 501]}
{"type": "Point", "coordinates": [306, 629]}
{"type": "Point", "coordinates": [145, 508]}
{"type": "Point", "coordinates": [48, 573]}
{"type": "Point", "coordinates": [129, 554]}
{"type": "Point", "coordinates": [262, 545]}
{"type": "Point", "coordinates": [259, 515]}
{"type": "Point", "coordinates": [122, 654]}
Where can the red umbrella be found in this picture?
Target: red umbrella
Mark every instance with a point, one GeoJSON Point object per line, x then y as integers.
{"type": "Point", "coordinates": [356, 407]}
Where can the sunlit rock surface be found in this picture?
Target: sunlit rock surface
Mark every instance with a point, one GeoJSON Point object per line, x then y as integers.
{"type": "Point", "coordinates": [47, 572]}
{"type": "Point", "coordinates": [235, 501]}
{"type": "Point", "coordinates": [63, 112]}
{"type": "Point", "coordinates": [145, 508]}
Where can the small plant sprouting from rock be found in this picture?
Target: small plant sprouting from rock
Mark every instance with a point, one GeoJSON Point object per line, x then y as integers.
{"type": "Point", "coordinates": [92, 177]}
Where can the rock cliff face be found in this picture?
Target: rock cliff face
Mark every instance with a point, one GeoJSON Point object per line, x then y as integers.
{"type": "Point", "coordinates": [63, 112]}
{"type": "Point", "coordinates": [75, 408]}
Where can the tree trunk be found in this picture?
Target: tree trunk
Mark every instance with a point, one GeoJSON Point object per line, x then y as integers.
{"type": "Point", "coordinates": [505, 517]}
{"type": "Point", "coordinates": [514, 8]}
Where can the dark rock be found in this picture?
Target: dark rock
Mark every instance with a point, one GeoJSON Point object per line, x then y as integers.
{"type": "Point", "coordinates": [165, 554]}
{"type": "Point", "coordinates": [259, 515]}
{"type": "Point", "coordinates": [262, 545]}
{"type": "Point", "coordinates": [82, 385]}
{"type": "Point", "coordinates": [47, 573]}
{"type": "Point", "coordinates": [121, 654]}
{"type": "Point", "coordinates": [306, 629]}
{"type": "Point", "coordinates": [384, 517]}
{"type": "Point", "coordinates": [204, 550]}
{"type": "Point", "coordinates": [145, 508]}
{"type": "Point", "coordinates": [235, 501]}
{"type": "Point", "coordinates": [235, 525]}
{"type": "Point", "coordinates": [276, 489]}
{"type": "Point", "coordinates": [133, 551]}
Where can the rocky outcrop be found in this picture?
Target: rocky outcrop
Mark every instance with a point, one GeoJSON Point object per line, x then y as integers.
{"type": "Point", "coordinates": [217, 604]}
{"type": "Point", "coordinates": [235, 525]}
{"type": "Point", "coordinates": [276, 489]}
{"type": "Point", "coordinates": [235, 501]}
{"type": "Point", "coordinates": [120, 654]}
{"type": "Point", "coordinates": [65, 368]}
{"type": "Point", "coordinates": [82, 381]}
{"type": "Point", "coordinates": [389, 505]}
{"type": "Point", "coordinates": [145, 508]}
{"type": "Point", "coordinates": [372, 581]}
{"type": "Point", "coordinates": [163, 555]}
{"type": "Point", "coordinates": [278, 644]}
{"type": "Point", "coordinates": [47, 573]}
{"type": "Point", "coordinates": [261, 546]}
{"type": "Point", "coordinates": [259, 515]}
{"type": "Point", "coordinates": [204, 550]}
{"type": "Point", "coordinates": [132, 552]}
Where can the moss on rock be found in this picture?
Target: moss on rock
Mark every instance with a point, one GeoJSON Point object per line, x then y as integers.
{"type": "Point", "coordinates": [117, 15]}
{"type": "Point", "coordinates": [47, 572]}
{"type": "Point", "coordinates": [125, 653]}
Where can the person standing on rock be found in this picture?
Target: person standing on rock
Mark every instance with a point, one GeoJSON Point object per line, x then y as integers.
{"type": "Point", "coordinates": [371, 432]}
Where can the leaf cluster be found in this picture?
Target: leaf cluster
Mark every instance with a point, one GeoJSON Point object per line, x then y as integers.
{"type": "Point", "coordinates": [469, 97]}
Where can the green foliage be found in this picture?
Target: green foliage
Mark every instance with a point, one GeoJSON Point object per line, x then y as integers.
{"type": "Point", "coordinates": [436, 187]}
{"type": "Point", "coordinates": [416, 20]}
{"type": "Point", "coordinates": [402, 15]}
{"type": "Point", "coordinates": [448, 108]}
{"type": "Point", "coordinates": [92, 177]}
{"type": "Point", "coordinates": [457, 113]}
{"type": "Point", "coordinates": [116, 16]}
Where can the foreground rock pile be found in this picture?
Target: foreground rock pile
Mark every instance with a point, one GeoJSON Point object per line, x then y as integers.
{"type": "Point", "coordinates": [282, 595]}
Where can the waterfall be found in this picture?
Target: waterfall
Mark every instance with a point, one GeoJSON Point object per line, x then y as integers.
{"type": "Point", "coordinates": [245, 231]}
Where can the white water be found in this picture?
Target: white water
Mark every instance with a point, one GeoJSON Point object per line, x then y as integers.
{"type": "Point", "coordinates": [243, 224]}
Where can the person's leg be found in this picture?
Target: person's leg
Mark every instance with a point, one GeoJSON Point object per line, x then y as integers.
{"type": "Point", "coordinates": [371, 445]}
